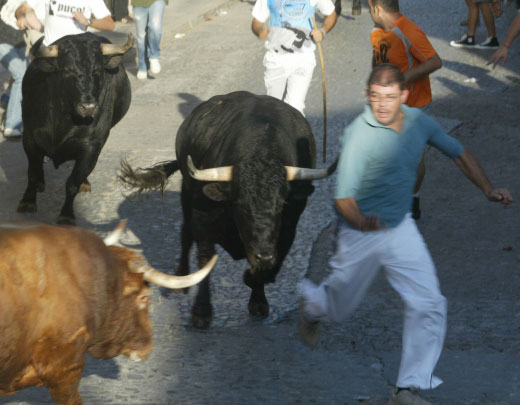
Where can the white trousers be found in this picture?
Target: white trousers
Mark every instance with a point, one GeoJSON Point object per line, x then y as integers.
{"type": "Point", "coordinates": [289, 73]}
{"type": "Point", "coordinates": [409, 268]}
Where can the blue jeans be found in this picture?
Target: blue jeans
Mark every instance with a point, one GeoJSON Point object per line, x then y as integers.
{"type": "Point", "coordinates": [148, 24]}
{"type": "Point", "coordinates": [14, 60]}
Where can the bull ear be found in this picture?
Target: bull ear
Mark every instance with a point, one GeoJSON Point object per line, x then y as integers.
{"type": "Point", "coordinates": [45, 64]}
{"type": "Point", "coordinates": [113, 61]}
{"type": "Point", "coordinates": [216, 191]}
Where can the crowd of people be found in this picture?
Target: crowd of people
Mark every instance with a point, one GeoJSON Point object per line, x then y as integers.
{"type": "Point", "coordinates": [376, 197]}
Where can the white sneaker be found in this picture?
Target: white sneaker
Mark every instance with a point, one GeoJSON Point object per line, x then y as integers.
{"type": "Point", "coordinates": [142, 75]}
{"type": "Point", "coordinates": [155, 66]}
{"type": "Point", "coordinates": [12, 133]}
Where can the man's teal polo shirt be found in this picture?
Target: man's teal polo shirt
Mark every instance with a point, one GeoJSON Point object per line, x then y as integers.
{"type": "Point", "coordinates": [378, 166]}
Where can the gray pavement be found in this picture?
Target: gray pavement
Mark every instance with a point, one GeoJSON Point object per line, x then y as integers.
{"type": "Point", "coordinates": [239, 360]}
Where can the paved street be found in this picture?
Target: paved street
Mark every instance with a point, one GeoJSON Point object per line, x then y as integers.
{"type": "Point", "coordinates": [208, 49]}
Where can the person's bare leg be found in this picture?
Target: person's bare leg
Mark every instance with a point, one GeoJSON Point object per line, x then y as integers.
{"type": "Point", "coordinates": [472, 17]}
{"type": "Point", "coordinates": [489, 18]}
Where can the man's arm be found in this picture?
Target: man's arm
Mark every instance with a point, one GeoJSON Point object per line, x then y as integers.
{"type": "Point", "coordinates": [349, 210]}
{"type": "Point", "coordinates": [423, 69]}
{"type": "Point", "coordinates": [328, 23]}
{"type": "Point", "coordinates": [469, 165]}
{"type": "Point", "coordinates": [512, 33]}
{"type": "Point", "coordinates": [103, 24]}
{"type": "Point", "coordinates": [259, 29]}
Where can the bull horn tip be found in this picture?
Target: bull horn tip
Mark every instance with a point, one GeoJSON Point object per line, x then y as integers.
{"type": "Point", "coordinates": [191, 166]}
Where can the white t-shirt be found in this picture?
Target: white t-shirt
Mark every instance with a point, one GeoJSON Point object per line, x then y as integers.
{"type": "Point", "coordinates": [57, 16]}
{"type": "Point", "coordinates": [290, 22]}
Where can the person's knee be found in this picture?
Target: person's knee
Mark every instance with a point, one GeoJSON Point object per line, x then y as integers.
{"type": "Point", "coordinates": [155, 25]}
{"type": "Point", "coordinates": [433, 306]}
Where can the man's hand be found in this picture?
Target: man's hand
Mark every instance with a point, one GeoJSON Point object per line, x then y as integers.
{"type": "Point", "coordinates": [317, 35]}
{"type": "Point", "coordinates": [369, 224]}
{"type": "Point", "coordinates": [79, 17]}
{"type": "Point", "coordinates": [500, 195]}
{"type": "Point", "coordinates": [500, 54]}
{"type": "Point", "coordinates": [349, 210]}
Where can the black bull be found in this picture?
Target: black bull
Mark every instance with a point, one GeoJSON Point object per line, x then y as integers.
{"type": "Point", "coordinates": [248, 192]}
{"type": "Point", "coordinates": [74, 92]}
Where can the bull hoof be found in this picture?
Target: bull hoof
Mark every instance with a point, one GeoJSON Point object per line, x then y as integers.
{"type": "Point", "coordinates": [85, 188]}
{"type": "Point", "coordinates": [200, 322]}
{"type": "Point", "coordinates": [40, 187]}
{"type": "Point", "coordinates": [201, 316]}
{"type": "Point", "coordinates": [63, 220]}
{"type": "Point", "coordinates": [258, 309]}
{"type": "Point", "coordinates": [25, 206]}
{"type": "Point", "coordinates": [356, 11]}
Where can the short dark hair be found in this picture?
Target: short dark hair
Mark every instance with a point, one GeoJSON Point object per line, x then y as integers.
{"type": "Point", "coordinates": [388, 5]}
{"type": "Point", "coordinates": [386, 74]}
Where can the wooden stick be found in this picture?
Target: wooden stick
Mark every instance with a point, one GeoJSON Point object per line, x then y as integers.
{"type": "Point", "coordinates": [324, 86]}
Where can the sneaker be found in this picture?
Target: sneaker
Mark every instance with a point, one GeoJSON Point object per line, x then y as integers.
{"type": "Point", "coordinates": [407, 397]}
{"type": "Point", "coordinates": [490, 43]}
{"type": "Point", "coordinates": [309, 330]}
{"type": "Point", "coordinates": [142, 75]}
{"type": "Point", "coordinates": [155, 66]}
{"type": "Point", "coordinates": [12, 133]}
{"type": "Point", "coordinates": [416, 209]}
{"type": "Point", "coordinates": [465, 42]}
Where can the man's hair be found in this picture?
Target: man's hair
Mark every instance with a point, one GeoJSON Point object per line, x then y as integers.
{"type": "Point", "coordinates": [386, 74]}
{"type": "Point", "coordinates": [391, 6]}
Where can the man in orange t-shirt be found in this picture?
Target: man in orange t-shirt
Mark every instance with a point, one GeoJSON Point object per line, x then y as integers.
{"type": "Point", "coordinates": [398, 41]}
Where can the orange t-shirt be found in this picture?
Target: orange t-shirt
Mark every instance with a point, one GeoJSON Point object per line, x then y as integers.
{"type": "Point", "coordinates": [405, 46]}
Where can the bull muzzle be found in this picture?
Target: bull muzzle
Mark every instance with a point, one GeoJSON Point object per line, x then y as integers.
{"type": "Point", "coordinates": [261, 261]}
{"type": "Point", "coordinates": [87, 109]}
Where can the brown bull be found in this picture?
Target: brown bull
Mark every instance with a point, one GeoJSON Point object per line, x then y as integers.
{"type": "Point", "coordinates": [63, 292]}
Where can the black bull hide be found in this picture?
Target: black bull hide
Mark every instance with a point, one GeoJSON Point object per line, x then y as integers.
{"type": "Point", "coordinates": [74, 92]}
{"type": "Point", "coordinates": [254, 213]}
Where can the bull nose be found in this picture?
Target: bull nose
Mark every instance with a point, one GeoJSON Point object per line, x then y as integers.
{"type": "Point", "coordinates": [88, 109]}
{"type": "Point", "coordinates": [264, 260]}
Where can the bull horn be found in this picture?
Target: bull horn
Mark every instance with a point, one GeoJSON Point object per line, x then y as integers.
{"type": "Point", "coordinates": [176, 282]}
{"type": "Point", "coordinates": [224, 173]}
{"type": "Point", "coordinates": [118, 49]}
{"type": "Point", "coordinates": [47, 51]}
{"type": "Point", "coordinates": [303, 173]}
{"type": "Point", "coordinates": [113, 237]}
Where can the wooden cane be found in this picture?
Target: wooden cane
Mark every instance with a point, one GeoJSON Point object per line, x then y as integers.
{"type": "Point", "coordinates": [324, 86]}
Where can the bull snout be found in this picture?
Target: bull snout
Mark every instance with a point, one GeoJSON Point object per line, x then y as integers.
{"type": "Point", "coordinates": [262, 261]}
{"type": "Point", "coordinates": [87, 109]}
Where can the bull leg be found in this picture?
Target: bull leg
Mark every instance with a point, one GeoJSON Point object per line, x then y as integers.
{"type": "Point", "coordinates": [186, 237]}
{"type": "Point", "coordinates": [35, 180]}
{"type": "Point", "coordinates": [82, 169]}
{"type": "Point", "coordinates": [202, 311]}
{"type": "Point", "coordinates": [258, 305]}
{"type": "Point", "coordinates": [186, 242]}
{"type": "Point", "coordinates": [60, 366]}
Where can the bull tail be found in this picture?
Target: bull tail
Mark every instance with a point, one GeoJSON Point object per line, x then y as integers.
{"type": "Point", "coordinates": [149, 179]}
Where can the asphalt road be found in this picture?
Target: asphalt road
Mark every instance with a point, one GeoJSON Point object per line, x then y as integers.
{"type": "Point", "coordinates": [475, 244]}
